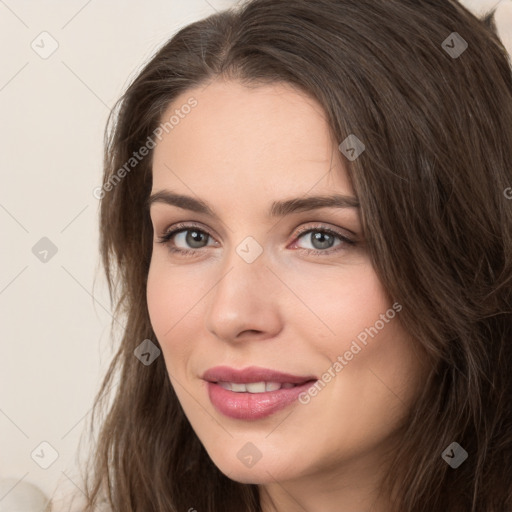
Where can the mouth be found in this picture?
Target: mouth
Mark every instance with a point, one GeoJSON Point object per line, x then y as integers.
{"type": "Point", "coordinates": [253, 393]}
{"type": "Point", "coordinates": [255, 387]}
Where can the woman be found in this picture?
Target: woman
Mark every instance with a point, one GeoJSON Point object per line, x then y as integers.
{"type": "Point", "coordinates": [305, 222]}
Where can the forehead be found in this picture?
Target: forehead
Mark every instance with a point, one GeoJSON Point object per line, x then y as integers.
{"type": "Point", "coordinates": [266, 136]}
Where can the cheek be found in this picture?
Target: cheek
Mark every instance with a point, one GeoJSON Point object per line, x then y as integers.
{"type": "Point", "coordinates": [377, 357]}
{"type": "Point", "coordinates": [171, 298]}
{"type": "Point", "coordinates": [172, 292]}
{"type": "Point", "coordinates": [161, 300]}
{"type": "Point", "coordinates": [368, 335]}
{"type": "Point", "coordinates": [344, 301]}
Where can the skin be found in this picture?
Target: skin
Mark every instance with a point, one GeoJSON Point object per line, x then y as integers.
{"type": "Point", "coordinates": [290, 310]}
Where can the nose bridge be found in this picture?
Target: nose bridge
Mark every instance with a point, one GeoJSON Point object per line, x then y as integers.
{"type": "Point", "coordinates": [245, 266]}
{"type": "Point", "coordinates": [243, 297]}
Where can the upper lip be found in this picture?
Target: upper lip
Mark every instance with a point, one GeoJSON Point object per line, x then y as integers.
{"type": "Point", "coordinates": [252, 374]}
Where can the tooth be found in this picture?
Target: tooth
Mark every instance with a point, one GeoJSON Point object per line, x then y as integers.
{"type": "Point", "coordinates": [272, 386]}
{"type": "Point", "coordinates": [255, 387]}
{"type": "Point", "coordinates": [239, 388]}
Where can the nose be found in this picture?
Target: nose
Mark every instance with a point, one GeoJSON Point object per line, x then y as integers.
{"type": "Point", "coordinates": [244, 302]}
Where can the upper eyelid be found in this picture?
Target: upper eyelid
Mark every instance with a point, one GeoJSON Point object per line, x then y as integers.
{"type": "Point", "coordinates": [290, 208]}
{"type": "Point", "coordinates": [182, 226]}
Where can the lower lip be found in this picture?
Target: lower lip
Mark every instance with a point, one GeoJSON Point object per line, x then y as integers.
{"type": "Point", "coordinates": [253, 406]}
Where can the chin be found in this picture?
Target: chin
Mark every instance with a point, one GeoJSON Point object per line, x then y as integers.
{"type": "Point", "coordinates": [248, 477]}
{"type": "Point", "coordinates": [262, 472]}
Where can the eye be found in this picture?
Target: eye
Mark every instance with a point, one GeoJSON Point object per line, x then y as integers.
{"type": "Point", "coordinates": [194, 238]}
{"type": "Point", "coordinates": [188, 240]}
{"type": "Point", "coordinates": [323, 240]}
{"type": "Point", "coordinates": [189, 237]}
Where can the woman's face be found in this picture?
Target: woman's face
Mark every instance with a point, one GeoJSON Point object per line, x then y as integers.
{"type": "Point", "coordinates": [269, 282]}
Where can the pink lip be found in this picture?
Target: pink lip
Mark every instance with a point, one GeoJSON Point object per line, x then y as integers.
{"type": "Point", "coordinates": [252, 374]}
{"type": "Point", "coordinates": [252, 406]}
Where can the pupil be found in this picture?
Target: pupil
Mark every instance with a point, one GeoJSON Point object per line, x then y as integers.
{"type": "Point", "coordinates": [324, 240]}
{"type": "Point", "coordinates": [194, 237]}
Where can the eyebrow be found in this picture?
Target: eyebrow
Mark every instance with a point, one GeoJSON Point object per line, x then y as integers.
{"type": "Point", "coordinates": [277, 209]}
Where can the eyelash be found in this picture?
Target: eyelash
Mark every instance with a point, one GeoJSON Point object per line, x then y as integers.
{"type": "Point", "coordinates": [166, 238]}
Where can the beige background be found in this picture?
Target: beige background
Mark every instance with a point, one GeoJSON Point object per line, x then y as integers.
{"type": "Point", "coordinates": [55, 314]}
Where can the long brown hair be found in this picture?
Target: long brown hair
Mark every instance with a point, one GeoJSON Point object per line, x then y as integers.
{"type": "Point", "coordinates": [436, 120]}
